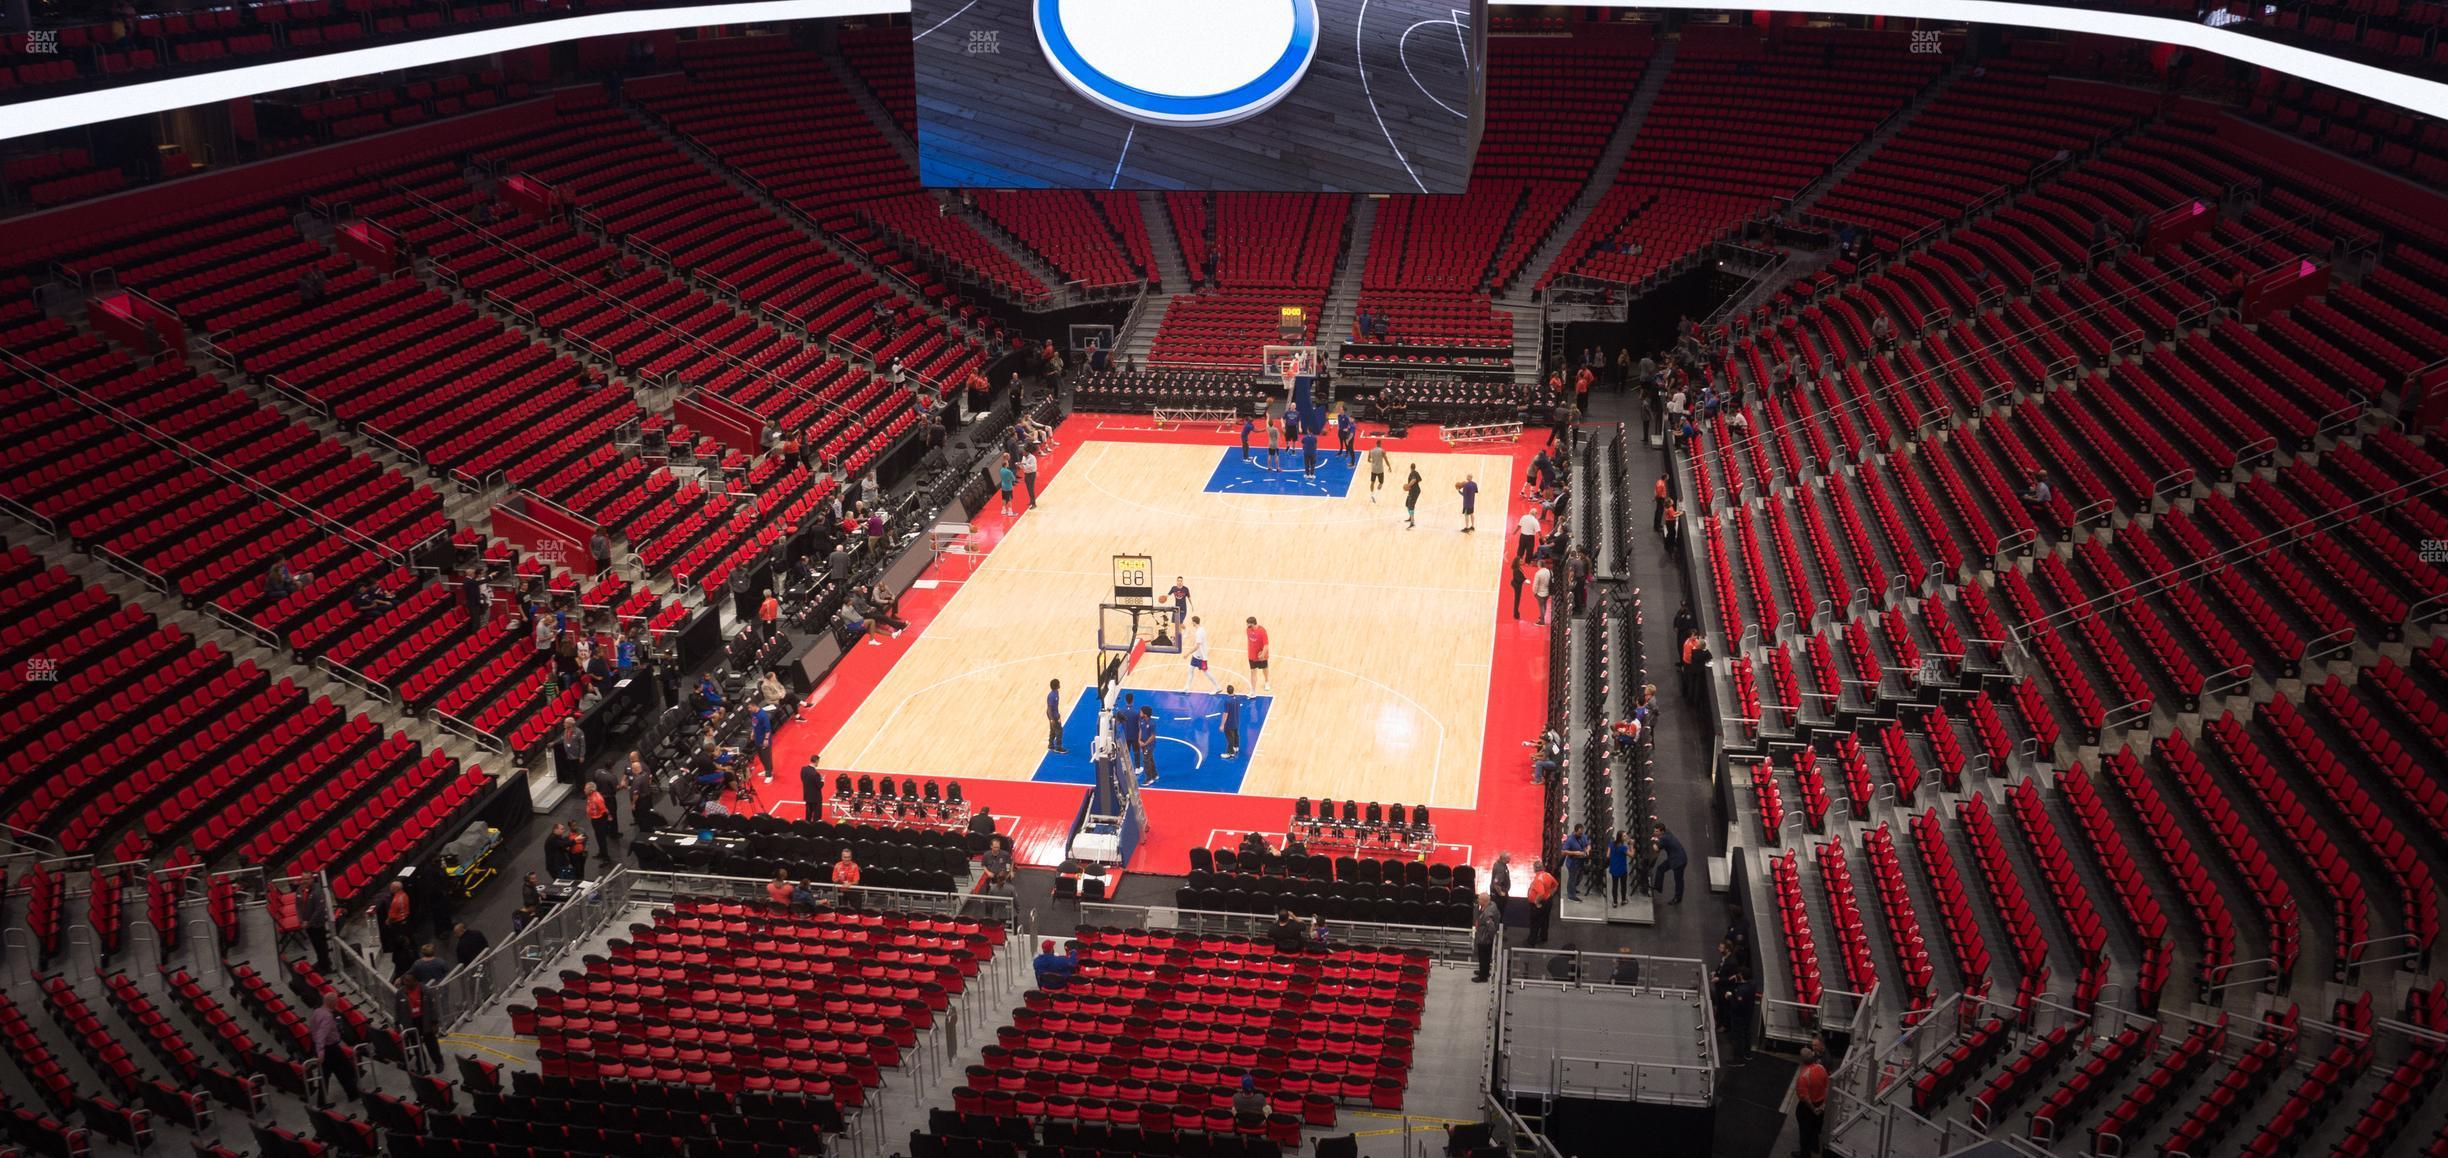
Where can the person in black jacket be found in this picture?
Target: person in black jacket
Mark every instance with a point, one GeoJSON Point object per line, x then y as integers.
{"type": "Point", "coordinates": [1672, 858]}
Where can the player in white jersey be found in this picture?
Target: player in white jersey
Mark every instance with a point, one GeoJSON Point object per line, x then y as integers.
{"type": "Point", "coordinates": [1198, 658]}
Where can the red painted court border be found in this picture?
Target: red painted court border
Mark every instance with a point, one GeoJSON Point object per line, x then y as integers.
{"type": "Point", "coordinates": [1506, 815]}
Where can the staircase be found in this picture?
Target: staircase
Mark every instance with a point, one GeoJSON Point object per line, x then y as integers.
{"type": "Point", "coordinates": [1170, 265]}
{"type": "Point", "coordinates": [1799, 263]}
{"type": "Point", "coordinates": [890, 280]}
{"type": "Point", "coordinates": [984, 226]}
{"type": "Point", "coordinates": [1526, 337]}
{"type": "Point", "coordinates": [876, 112]}
{"type": "Point", "coordinates": [1139, 332]}
{"type": "Point", "coordinates": [1064, 294]}
{"type": "Point", "coordinates": [1602, 173]}
{"type": "Point", "coordinates": [1871, 145]}
{"type": "Point", "coordinates": [1343, 296]}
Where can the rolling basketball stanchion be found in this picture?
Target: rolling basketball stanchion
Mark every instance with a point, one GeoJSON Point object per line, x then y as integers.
{"type": "Point", "coordinates": [1219, 417]}
{"type": "Point", "coordinates": [1487, 432]}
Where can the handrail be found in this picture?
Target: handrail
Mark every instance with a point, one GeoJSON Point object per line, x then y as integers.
{"type": "Point", "coordinates": [909, 288]}
{"type": "Point", "coordinates": [1449, 943]}
{"type": "Point", "coordinates": [2007, 338]}
{"type": "Point", "coordinates": [544, 265]}
{"type": "Point", "coordinates": [198, 457]}
{"type": "Point", "coordinates": [2254, 548]}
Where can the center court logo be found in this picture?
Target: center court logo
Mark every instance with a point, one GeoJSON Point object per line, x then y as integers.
{"type": "Point", "coordinates": [1184, 63]}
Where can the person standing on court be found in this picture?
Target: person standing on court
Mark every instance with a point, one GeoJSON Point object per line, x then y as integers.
{"type": "Point", "coordinates": [1469, 486]}
{"type": "Point", "coordinates": [811, 788]}
{"type": "Point", "coordinates": [1542, 585]}
{"type": "Point", "coordinates": [1672, 858]}
{"type": "Point", "coordinates": [1198, 657]}
{"type": "Point", "coordinates": [1347, 433]}
{"type": "Point", "coordinates": [1516, 581]}
{"type": "Point", "coordinates": [1249, 426]}
{"type": "Point", "coordinates": [1810, 1101]}
{"type": "Point", "coordinates": [1147, 746]}
{"type": "Point", "coordinates": [1377, 468]}
{"type": "Point", "coordinates": [1233, 700]}
{"type": "Point", "coordinates": [1004, 479]}
{"type": "Point", "coordinates": [1309, 460]}
{"type": "Point", "coordinates": [1258, 654]}
{"type": "Point", "coordinates": [1525, 535]}
{"type": "Point", "coordinates": [1028, 473]}
{"type": "Point", "coordinates": [1541, 896]}
{"type": "Point", "coordinates": [1411, 493]}
{"type": "Point", "coordinates": [1179, 594]}
{"type": "Point", "coordinates": [1054, 718]}
{"type": "Point", "coordinates": [1274, 442]}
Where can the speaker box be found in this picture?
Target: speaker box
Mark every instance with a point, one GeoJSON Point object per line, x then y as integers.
{"type": "Point", "coordinates": [1347, 1146]}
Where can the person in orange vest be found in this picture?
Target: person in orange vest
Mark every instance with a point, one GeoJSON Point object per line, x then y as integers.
{"type": "Point", "coordinates": [395, 916]}
{"type": "Point", "coordinates": [1810, 1101]}
{"type": "Point", "coordinates": [599, 814]}
{"type": "Point", "coordinates": [1542, 902]}
{"type": "Point", "coordinates": [769, 617]}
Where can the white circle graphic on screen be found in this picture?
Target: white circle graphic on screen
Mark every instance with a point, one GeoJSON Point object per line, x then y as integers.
{"type": "Point", "coordinates": [1185, 63]}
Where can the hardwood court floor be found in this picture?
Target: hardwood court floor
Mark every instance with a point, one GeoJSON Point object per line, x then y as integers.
{"type": "Point", "coordinates": [1382, 637]}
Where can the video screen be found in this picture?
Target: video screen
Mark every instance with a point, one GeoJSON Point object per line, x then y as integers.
{"type": "Point", "coordinates": [1351, 96]}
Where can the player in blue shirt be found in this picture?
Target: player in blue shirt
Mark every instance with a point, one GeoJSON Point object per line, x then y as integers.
{"type": "Point", "coordinates": [1347, 432]}
{"type": "Point", "coordinates": [1249, 426]}
{"type": "Point", "coordinates": [1469, 486]}
{"type": "Point", "coordinates": [1054, 717]}
{"type": "Point", "coordinates": [1233, 699]}
{"type": "Point", "coordinates": [1309, 454]}
{"type": "Point", "coordinates": [1147, 745]}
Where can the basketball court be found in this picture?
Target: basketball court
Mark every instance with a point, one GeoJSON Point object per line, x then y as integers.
{"type": "Point", "coordinates": [1386, 642]}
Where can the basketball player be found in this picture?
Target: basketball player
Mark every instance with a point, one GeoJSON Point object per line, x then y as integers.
{"type": "Point", "coordinates": [1198, 657]}
{"type": "Point", "coordinates": [1233, 700]}
{"type": "Point", "coordinates": [1411, 492]}
{"type": "Point", "coordinates": [1054, 742]}
{"type": "Point", "coordinates": [1377, 465]}
{"type": "Point", "coordinates": [1258, 654]}
{"type": "Point", "coordinates": [1347, 435]}
{"type": "Point", "coordinates": [1308, 454]}
{"type": "Point", "coordinates": [1274, 440]}
{"type": "Point", "coordinates": [1469, 486]}
{"type": "Point", "coordinates": [1248, 426]}
{"type": "Point", "coordinates": [1180, 595]}
{"type": "Point", "coordinates": [1147, 746]}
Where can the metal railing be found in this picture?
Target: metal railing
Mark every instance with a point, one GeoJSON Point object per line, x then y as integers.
{"type": "Point", "coordinates": [509, 964]}
{"type": "Point", "coordinates": [607, 295]}
{"type": "Point", "coordinates": [1444, 944]}
{"type": "Point", "coordinates": [206, 461]}
{"type": "Point", "coordinates": [1621, 1079]}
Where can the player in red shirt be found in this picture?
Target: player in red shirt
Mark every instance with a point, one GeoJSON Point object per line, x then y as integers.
{"type": "Point", "coordinates": [1258, 654]}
